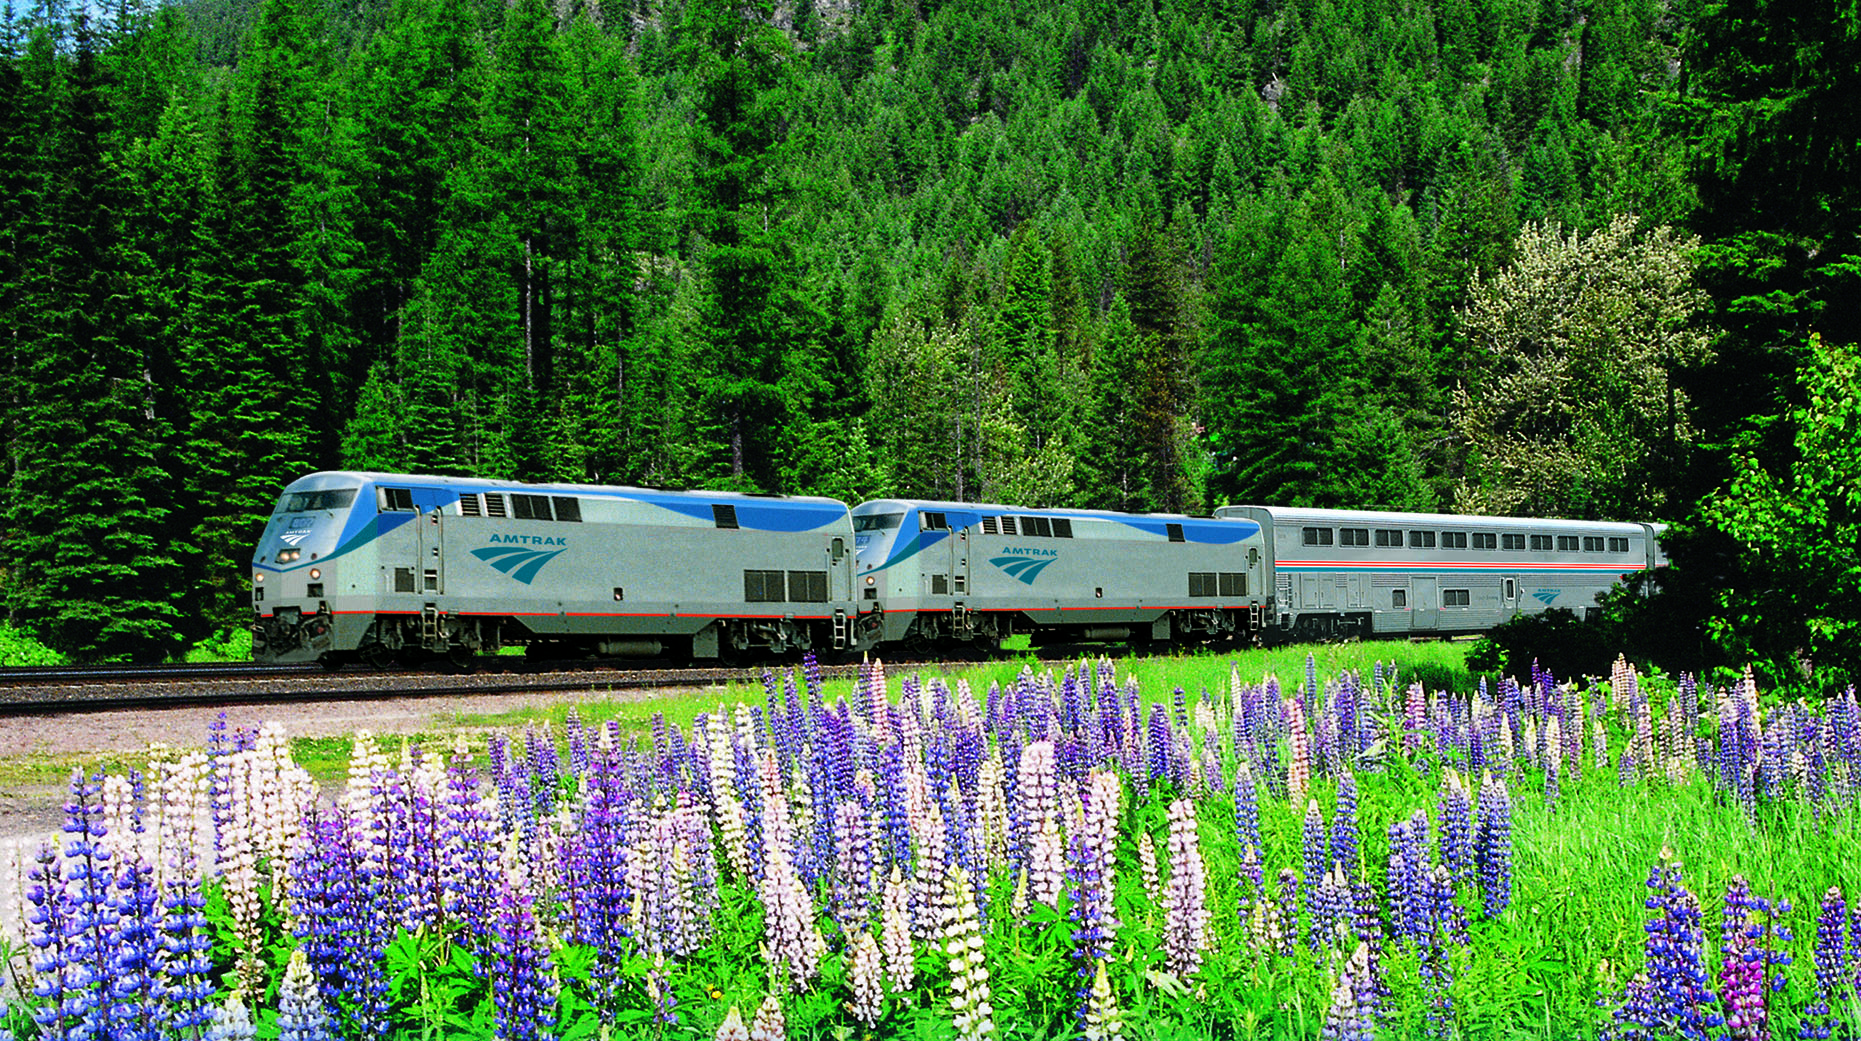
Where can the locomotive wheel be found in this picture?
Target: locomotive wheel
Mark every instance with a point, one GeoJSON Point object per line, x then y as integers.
{"type": "Point", "coordinates": [332, 661]}
{"type": "Point", "coordinates": [462, 658]}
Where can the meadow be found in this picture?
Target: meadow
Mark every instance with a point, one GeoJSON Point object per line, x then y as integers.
{"type": "Point", "coordinates": [1247, 846]}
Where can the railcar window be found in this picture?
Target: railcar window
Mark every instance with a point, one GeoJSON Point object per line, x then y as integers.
{"type": "Point", "coordinates": [1233, 583]}
{"type": "Point", "coordinates": [1202, 583]}
{"type": "Point", "coordinates": [807, 587]}
{"type": "Point", "coordinates": [494, 505]}
{"type": "Point", "coordinates": [1453, 540]}
{"type": "Point", "coordinates": [724, 515]}
{"type": "Point", "coordinates": [568, 508]}
{"type": "Point", "coordinates": [1456, 598]}
{"type": "Point", "coordinates": [1175, 532]}
{"type": "Point", "coordinates": [1592, 543]}
{"type": "Point", "coordinates": [1541, 542]}
{"type": "Point", "coordinates": [1485, 540]}
{"type": "Point", "coordinates": [940, 585]}
{"type": "Point", "coordinates": [395, 500]}
{"type": "Point", "coordinates": [1388, 538]}
{"type": "Point", "coordinates": [1398, 598]}
{"type": "Point", "coordinates": [530, 507]}
{"type": "Point", "coordinates": [1317, 536]}
{"type": "Point", "coordinates": [1567, 543]}
{"type": "Point", "coordinates": [468, 505]}
{"type": "Point", "coordinates": [1421, 540]}
{"type": "Point", "coordinates": [1514, 542]}
{"type": "Point", "coordinates": [1618, 544]}
{"type": "Point", "coordinates": [1354, 536]}
{"type": "Point", "coordinates": [931, 521]}
{"type": "Point", "coordinates": [989, 527]}
{"type": "Point", "coordinates": [1039, 526]}
{"type": "Point", "coordinates": [763, 587]}
{"type": "Point", "coordinates": [870, 521]}
{"type": "Point", "coordinates": [333, 499]}
{"type": "Point", "coordinates": [1062, 528]}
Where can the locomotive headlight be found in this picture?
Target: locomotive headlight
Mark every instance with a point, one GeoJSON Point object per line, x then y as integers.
{"type": "Point", "coordinates": [316, 573]}
{"type": "Point", "coordinates": [258, 576]}
{"type": "Point", "coordinates": [869, 580]}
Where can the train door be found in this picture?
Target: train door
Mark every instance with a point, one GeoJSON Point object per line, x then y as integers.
{"type": "Point", "coordinates": [429, 544]}
{"type": "Point", "coordinates": [1425, 603]}
{"type": "Point", "coordinates": [839, 569]}
{"type": "Point", "coordinates": [1509, 596]}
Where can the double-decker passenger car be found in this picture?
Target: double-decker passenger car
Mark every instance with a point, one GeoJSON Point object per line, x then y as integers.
{"type": "Point", "coordinates": [375, 565]}
{"type": "Point", "coordinates": [1351, 572]}
{"type": "Point", "coordinates": [933, 572]}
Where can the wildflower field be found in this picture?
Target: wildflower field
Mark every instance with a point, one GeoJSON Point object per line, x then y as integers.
{"type": "Point", "coordinates": [1080, 852]}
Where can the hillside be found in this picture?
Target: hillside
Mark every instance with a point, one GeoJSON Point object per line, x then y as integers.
{"type": "Point", "coordinates": [1149, 255]}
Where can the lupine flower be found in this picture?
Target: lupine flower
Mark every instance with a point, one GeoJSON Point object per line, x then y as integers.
{"type": "Point", "coordinates": [1344, 1019]}
{"type": "Point", "coordinates": [1492, 846]}
{"type": "Point", "coordinates": [521, 989]}
{"type": "Point", "coordinates": [1299, 753]}
{"type": "Point", "coordinates": [301, 1015]}
{"type": "Point", "coordinates": [1185, 907]}
{"type": "Point", "coordinates": [1552, 741]}
{"type": "Point", "coordinates": [865, 978]}
{"type": "Point", "coordinates": [1148, 870]}
{"type": "Point", "coordinates": [732, 1028]}
{"type": "Point", "coordinates": [1104, 1022]}
{"type": "Point", "coordinates": [231, 1021]}
{"type": "Point", "coordinates": [895, 921]}
{"type": "Point", "coordinates": [769, 1024]}
{"type": "Point", "coordinates": [962, 943]}
{"type": "Point", "coordinates": [1456, 828]}
{"type": "Point", "coordinates": [1344, 837]}
{"type": "Point", "coordinates": [1835, 986]}
{"type": "Point", "coordinates": [1246, 810]}
{"type": "Point", "coordinates": [1671, 997]}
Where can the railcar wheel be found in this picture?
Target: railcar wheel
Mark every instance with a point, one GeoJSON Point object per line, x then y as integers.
{"type": "Point", "coordinates": [375, 656]}
{"type": "Point", "coordinates": [332, 661]}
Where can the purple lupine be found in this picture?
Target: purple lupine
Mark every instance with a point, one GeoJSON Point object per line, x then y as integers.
{"type": "Point", "coordinates": [578, 743]}
{"type": "Point", "coordinates": [1835, 985]}
{"type": "Point", "coordinates": [62, 982]}
{"type": "Point", "coordinates": [1246, 811]}
{"type": "Point", "coordinates": [138, 1011]}
{"type": "Point", "coordinates": [1492, 846]}
{"type": "Point", "coordinates": [470, 844]}
{"type": "Point", "coordinates": [1344, 834]}
{"type": "Point", "coordinates": [1741, 969]}
{"type": "Point", "coordinates": [1316, 858]}
{"type": "Point", "coordinates": [1408, 878]}
{"type": "Point", "coordinates": [521, 991]}
{"type": "Point", "coordinates": [1456, 817]}
{"type": "Point", "coordinates": [74, 925]}
{"type": "Point", "coordinates": [594, 877]}
{"type": "Point", "coordinates": [1671, 997]}
{"type": "Point", "coordinates": [344, 924]}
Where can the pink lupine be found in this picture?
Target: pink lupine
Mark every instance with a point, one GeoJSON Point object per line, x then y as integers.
{"type": "Point", "coordinates": [1147, 869]}
{"type": "Point", "coordinates": [1299, 757]}
{"type": "Point", "coordinates": [792, 937]}
{"type": "Point", "coordinates": [1185, 906]}
{"type": "Point", "coordinates": [732, 1028]}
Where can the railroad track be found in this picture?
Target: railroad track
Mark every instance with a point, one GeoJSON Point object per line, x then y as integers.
{"type": "Point", "coordinates": [64, 691]}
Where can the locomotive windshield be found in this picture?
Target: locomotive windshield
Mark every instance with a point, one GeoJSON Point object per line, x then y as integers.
{"type": "Point", "coordinates": [306, 502]}
{"type": "Point", "coordinates": [877, 521]}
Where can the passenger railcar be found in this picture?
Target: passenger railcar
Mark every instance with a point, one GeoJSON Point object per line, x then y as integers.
{"type": "Point", "coordinates": [373, 566]}
{"type": "Point", "coordinates": [1361, 573]}
{"type": "Point", "coordinates": [943, 572]}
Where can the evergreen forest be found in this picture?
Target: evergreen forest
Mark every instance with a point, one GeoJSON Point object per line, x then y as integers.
{"type": "Point", "coordinates": [1585, 258]}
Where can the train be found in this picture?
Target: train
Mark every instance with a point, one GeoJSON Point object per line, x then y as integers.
{"type": "Point", "coordinates": [378, 568]}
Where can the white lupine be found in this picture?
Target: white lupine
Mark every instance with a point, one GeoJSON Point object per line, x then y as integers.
{"type": "Point", "coordinates": [769, 1024]}
{"type": "Point", "coordinates": [927, 875]}
{"type": "Point", "coordinates": [992, 811]}
{"type": "Point", "coordinates": [1046, 864]}
{"type": "Point", "coordinates": [119, 800]}
{"type": "Point", "coordinates": [895, 938]}
{"type": "Point", "coordinates": [732, 1028]}
{"type": "Point", "coordinates": [1147, 869]}
{"type": "Point", "coordinates": [182, 837]}
{"type": "Point", "coordinates": [962, 944]}
{"type": "Point", "coordinates": [239, 875]}
{"type": "Point", "coordinates": [1104, 1022]}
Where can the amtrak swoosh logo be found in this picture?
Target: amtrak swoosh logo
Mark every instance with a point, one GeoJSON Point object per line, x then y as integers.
{"type": "Point", "coordinates": [295, 537]}
{"type": "Point", "coordinates": [1027, 569]}
{"type": "Point", "coordinates": [1545, 596]}
{"type": "Point", "coordinates": [517, 562]}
